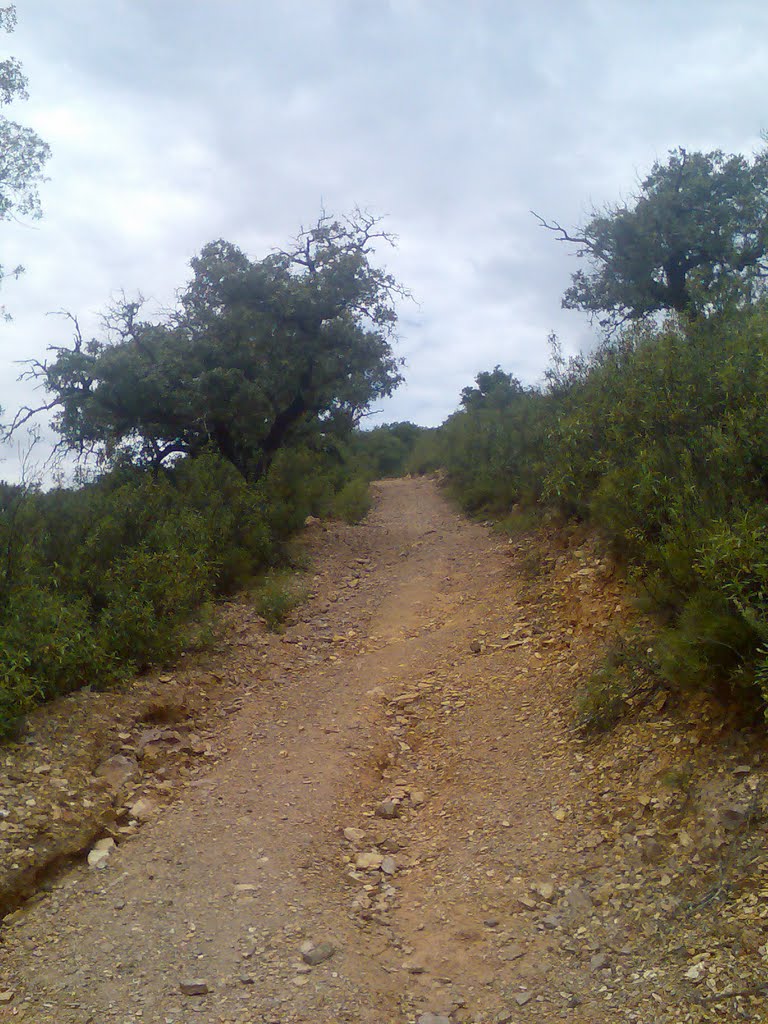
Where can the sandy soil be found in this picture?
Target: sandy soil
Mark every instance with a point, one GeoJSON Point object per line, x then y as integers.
{"type": "Point", "coordinates": [396, 776]}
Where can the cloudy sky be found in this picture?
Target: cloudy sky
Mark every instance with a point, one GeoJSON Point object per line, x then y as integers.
{"type": "Point", "coordinates": [175, 122]}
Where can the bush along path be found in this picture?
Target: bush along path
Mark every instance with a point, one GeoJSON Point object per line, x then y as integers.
{"type": "Point", "coordinates": [385, 814]}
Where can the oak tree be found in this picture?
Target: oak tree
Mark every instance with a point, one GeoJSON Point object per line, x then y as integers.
{"type": "Point", "coordinates": [256, 353]}
{"type": "Point", "coordinates": [694, 239]}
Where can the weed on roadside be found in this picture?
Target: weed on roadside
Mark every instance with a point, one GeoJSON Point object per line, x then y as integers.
{"type": "Point", "coordinates": [627, 677]}
{"type": "Point", "coordinates": [353, 502]}
{"type": "Point", "coordinates": [679, 778]}
{"type": "Point", "coordinates": [519, 520]}
{"type": "Point", "coordinates": [204, 631]}
{"type": "Point", "coordinates": [600, 702]}
{"type": "Point", "coordinates": [277, 596]}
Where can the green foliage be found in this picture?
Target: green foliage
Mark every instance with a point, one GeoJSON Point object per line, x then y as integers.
{"type": "Point", "coordinates": [237, 538]}
{"type": "Point", "coordinates": [665, 452]}
{"type": "Point", "coordinates": [428, 455]}
{"type": "Point", "coordinates": [493, 389]}
{"type": "Point", "coordinates": [708, 643]}
{"type": "Point", "coordinates": [353, 502]}
{"type": "Point", "coordinates": [277, 596]}
{"type": "Point", "coordinates": [694, 240]}
{"type": "Point", "coordinates": [105, 579]}
{"type": "Point", "coordinates": [493, 448]}
{"type": "Point", "coordinates": [258, 355]}
{"type": "Point", "coordinates": [628, 670]}
{"type": "Point", "coordinates": [385, 451]}
{"type": "Point", "coordinates": [600, 703]}
{"type": "Point", "coordinates": [663, 444]}
{"type": "Point", "coordinates": [23, 152]}
{"type": "Point", "coordinates": [300, 483]}
{"type": "Point", "coordinates": [118, 575]}
{"type": "Point", "coordinates": [49, 646]}
{"type": "Point", "coordinates": [660, 440]}
{"type": "Point", "coordinates": [518, 521]}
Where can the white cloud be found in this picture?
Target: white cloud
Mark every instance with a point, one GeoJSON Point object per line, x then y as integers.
{"type": "Point", "coordinates": [175, 123]}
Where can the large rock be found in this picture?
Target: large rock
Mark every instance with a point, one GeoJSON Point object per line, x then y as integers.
{"type": "Point", "coordinates": [354, 835]}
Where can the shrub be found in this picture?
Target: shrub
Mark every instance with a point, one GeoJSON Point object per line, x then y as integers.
{"type": "Point", "coordinates": [276, 597]}
{"type": "Point", "coordinates": [385, 451]}
{"type": "Point", "coordinates": [628, 671]}
{"type": "Point", "coordinates": [428, 454]}
{"type": "Point", "coordinates": [103, 579]}
{"type": "Point", "coordinates": [493, 450]}
{"type": "Point", "coordinates": [106, 578]}
{"type": "Point", "coordinates": [518, 521]}
{"type": "Point", "coordinates": [353, 502]}
{"type": "Point", "coordinates": [600, 703]}
{"type": "Point", "coordinates": [660, 440]}
{"type": "Point", "coordinates": [301, 482]}
{"type": "Point", "coordinates": [49, 646]}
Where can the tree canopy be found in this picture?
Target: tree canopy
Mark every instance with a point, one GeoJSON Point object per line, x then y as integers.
{"type": "Point", "coordinates": [256, 353]}
{"type": "Point", "coordinates": [693, 240]}
{"type": "Point", "coordinates": [22, 152]}
{"type": "Point", "coordinates": [493, 389]}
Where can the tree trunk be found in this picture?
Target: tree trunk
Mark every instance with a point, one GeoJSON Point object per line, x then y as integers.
{"type": "Point", "coordinates": [678, 295]}
{"type": "Point", "coordinates": [273, 442]}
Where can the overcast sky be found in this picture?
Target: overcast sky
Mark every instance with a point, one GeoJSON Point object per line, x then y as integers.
{"type": "Point", "coordinates": [175, 122]}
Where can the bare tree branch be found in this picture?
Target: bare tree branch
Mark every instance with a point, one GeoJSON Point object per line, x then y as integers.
{"type": "Point", "coordinates": [564, 234]}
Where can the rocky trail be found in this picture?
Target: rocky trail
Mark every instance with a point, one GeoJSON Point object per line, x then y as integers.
{"type": "Point", "coordinates": [386, 815]}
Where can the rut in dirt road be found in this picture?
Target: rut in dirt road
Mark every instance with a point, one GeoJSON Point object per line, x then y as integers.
{"type": "Point", "coordinates": [396, 829]}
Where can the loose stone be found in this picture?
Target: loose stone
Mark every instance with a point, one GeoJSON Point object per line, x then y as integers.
{"type": "Point", "coordinates": [368, 861]}
{"type": "Point", "coordinates": [388, 809]}
{"type": "Point", "coordinates": [318, 954]}
{"type": "Point", "coordinates": [389, 865]}
{"type": "Point", "coordinates": [143, 809]}
{"type": "Point", "coordinates": [194, 987]}
{"type": "Point", "coordinates": [512, 952]}
{"type": "Point", "coordinates": [100, 854]}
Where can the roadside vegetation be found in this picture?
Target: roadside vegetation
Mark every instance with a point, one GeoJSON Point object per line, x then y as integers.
{"type": "Point", "coordinates": [110, 578]}
{"type": "Point", "coordinates": [214, 434]}
{"type": "Point", "coordinates": [203, 439]}
{"type": "Point", "coordinates": [658, 437]}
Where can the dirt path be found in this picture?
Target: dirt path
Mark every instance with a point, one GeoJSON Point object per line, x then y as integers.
{"type": "Point", "coordinates": [493, 869]}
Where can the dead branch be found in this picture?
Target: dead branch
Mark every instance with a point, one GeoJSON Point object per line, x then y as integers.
{"type": "Point", "coordinates": [564, 235]}
{"type": "Point", "coordinates": [75, 325]}
{"type": "Point", "coordinates": [24, 415]}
